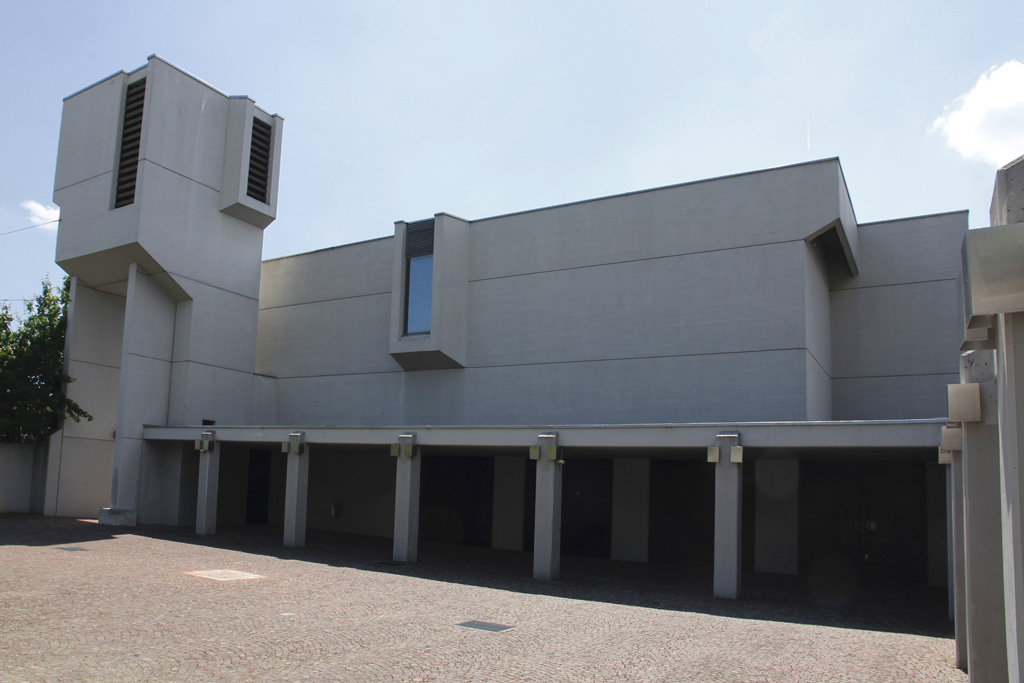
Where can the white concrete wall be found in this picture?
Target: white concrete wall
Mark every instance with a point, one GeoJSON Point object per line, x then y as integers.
{"type": "Point", "coordinates": [818, 334]}
{"type": "Point", "coordinates": [145, 382]}
{"type": "Point", "coordinates": [79, 473]}
{"type": "Point", "coordinates": [895, 334]}
{"type": "Point", "coordinates": [672, 305]}
{"type": "Point", "coordinates": [16, 468]}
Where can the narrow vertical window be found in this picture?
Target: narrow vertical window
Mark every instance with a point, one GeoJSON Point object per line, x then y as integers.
{"type": "Point", "coordinates": [419, 276]}
{"type": "Point", "coordinates": [259, 161]}
{"type": "Point", "coordinates": [131, 137]}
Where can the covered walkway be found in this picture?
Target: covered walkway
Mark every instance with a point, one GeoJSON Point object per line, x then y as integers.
{"type": "Point", "coordinates": [845, 501]}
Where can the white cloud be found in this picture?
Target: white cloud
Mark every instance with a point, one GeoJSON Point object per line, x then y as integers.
{"type": "Point", "coordinates": [987, 124]}
{"type": "Point", "coordinates": [39, 213]}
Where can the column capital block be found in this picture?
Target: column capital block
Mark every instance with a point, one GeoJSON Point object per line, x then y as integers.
{"type": "Point", "coordinates": [206, 441]}
{"type": "Point", "coordinates": [406, 446]}
{"type": "Point", "coordinates": [547, 445]}
{"type": "Point", "coordinates": [295, 445]}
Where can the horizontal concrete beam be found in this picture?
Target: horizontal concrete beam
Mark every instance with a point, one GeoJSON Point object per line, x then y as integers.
{"type": "Point", "coordinates": [852, 434]}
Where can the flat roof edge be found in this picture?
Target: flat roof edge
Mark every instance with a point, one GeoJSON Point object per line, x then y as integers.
{"type": "Point", "coordinates": [911, 218]}
{"type": "Point", "coordinates": [332, 248]}
{"type": "Point", "coordinates": [176, 68]}
{"type": "Point", "coordinates": [727, 176]}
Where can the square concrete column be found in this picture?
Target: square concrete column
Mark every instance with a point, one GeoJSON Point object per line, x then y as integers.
{"type": "Point", "coordinates": [407, 498]}
{"type": "Point", "coordinates": [631, 501]}
{"type": "Point", "coordinates": [958, 556]}
{"type": "Point", "coordinates": [508, 510]}
{"type": "Point", "coordinates": [728, 516]}
{"type": "Point", "coordinates": [209, 480]}
{"type": "Point", "coordinates": [147, 345]}
{"type": "Point", "coordinates": [986, 620]}
{"type": "Point", "coordinates": [1011, 446]}
{"type": "Point", "coordinates": [547, 528]}
{"type": "Point", "coordinates": [296, 490]}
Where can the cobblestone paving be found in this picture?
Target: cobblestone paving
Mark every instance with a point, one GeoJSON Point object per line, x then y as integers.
{"type": "Point", "coordinates": [124, 609]}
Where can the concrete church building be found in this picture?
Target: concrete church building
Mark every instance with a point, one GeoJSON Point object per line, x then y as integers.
{"type": "Point", "coordinates": [731, 374]}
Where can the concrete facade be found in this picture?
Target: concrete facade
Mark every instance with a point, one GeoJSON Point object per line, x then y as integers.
{"type": "Point", "coordinates": [986, 419]}
{"type": "Point", "coordinates": [730, 375]}
{"type": "Point", "coordinates": [162, 319]}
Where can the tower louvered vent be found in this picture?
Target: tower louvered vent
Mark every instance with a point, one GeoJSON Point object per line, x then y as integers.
{"type": "Point", "coordinates": [131, 136]}
{"type": "Point", "coordinates": [419, 238]}
{"type": "Point", "coordinates": [259, 161]}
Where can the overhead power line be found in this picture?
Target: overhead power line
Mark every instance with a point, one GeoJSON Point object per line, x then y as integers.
{"type": "Point", "coordinates": [29, 227]}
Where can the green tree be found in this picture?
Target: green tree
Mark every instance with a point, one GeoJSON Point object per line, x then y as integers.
{"type": "Point", "coordinates": [32, 375]}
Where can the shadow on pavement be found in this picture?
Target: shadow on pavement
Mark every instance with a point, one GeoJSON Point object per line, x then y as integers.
{"type": "Point", "coordinates": [879, 606]}
{"type": "Point", "coordinates": [35, 530]}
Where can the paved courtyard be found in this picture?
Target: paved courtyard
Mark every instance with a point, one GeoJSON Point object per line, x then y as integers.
{"type": "Point", "coordinates": [80, 602]}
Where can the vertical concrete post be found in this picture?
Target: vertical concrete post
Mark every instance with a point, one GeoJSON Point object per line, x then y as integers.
{"type": "Point", "coordinates": [147, 346]}
{"type": "Point", "coordinates": [631, 496]}
{"type": "Point", "coordinates": [508, 511]}
{"type": "Point", "coordinates": [728, 516]}
{"type": "Point", "coordinates": [547, 529]}
{"type": "Point", "coordinates": [1011, 451]}
{"type": "Point", "coordinates": [958, 557]}
{"type": "Point", "coordinates": [50, 498]}
{"type": "Point", "coordinates": [986, 621]}
{"type": "Point", "coordinates": [407, 498]}
{"type": "Point", "coordinates": [209, 480]}
{"type": "Point", "coordinates": [296, 490]}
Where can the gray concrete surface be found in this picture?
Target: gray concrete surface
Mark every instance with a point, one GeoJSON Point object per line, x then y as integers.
{"type": "Point", "coordinates": [123, 608]}
{"type": "Point", "coordinates": [983, 567]}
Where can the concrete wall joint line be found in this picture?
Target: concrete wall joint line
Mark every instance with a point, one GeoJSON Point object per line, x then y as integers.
{"type": "Point", "coordinates": [215, 367]}
{"type": "Point", "coordinates": [325, 301]}
{"type": "Point", "coordinates": [84, 180]}
{"type": "Point", "coordinates": [92, 438]}
{"type": "Point", "coordinates": [212, 286]}
{"type": "Point", "coordinates": [93, 363]}
{"type": "Point", "coordinates": [618, 359]}
{"type": "Point", "coordinates": [635, 260]}
{"type": "Point", "coordinates": [557, 362]}
{"type": "Point", "coordinates": [148, 357]}
{"type": "Point", "coordinates": [894, 284]}
{"type": "Point", "coordinates": [340, 374]}
{"type": "Point", "coordinates": [818, 362]}
{"type": "Point", "coordinates": [913, 374]}
{"type": "Point", "coordinates": [180, 175]}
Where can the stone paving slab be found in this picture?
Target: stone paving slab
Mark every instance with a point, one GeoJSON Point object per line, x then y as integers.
{"type": "Point", "coordinates": [125, 608]}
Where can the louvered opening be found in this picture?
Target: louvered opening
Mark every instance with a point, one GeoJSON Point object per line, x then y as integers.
{"type": "Point", "coordinates": [131, 136]}
{"type": "Point", "coordinates": [419, 238]}
{"type": "Point", "coordinates": [259, 161]}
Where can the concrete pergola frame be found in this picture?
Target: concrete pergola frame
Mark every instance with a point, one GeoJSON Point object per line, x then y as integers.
{"type": "Point", "coordinates": [539, 442]}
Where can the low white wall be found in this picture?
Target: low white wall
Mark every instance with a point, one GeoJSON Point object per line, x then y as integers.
{"type": "Point", "coordinates": [16, 476]}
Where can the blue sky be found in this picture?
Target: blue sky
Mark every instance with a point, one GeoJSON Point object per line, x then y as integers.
{"type": "Point", "coordinates": [398, 110]}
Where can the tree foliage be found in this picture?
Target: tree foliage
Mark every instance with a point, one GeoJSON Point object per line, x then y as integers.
{"type": "Point", "coordinates": [32, 376]}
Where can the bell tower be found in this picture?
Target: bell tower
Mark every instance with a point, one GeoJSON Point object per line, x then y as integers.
{"type": "Point", "coordinates": [165, 186]}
